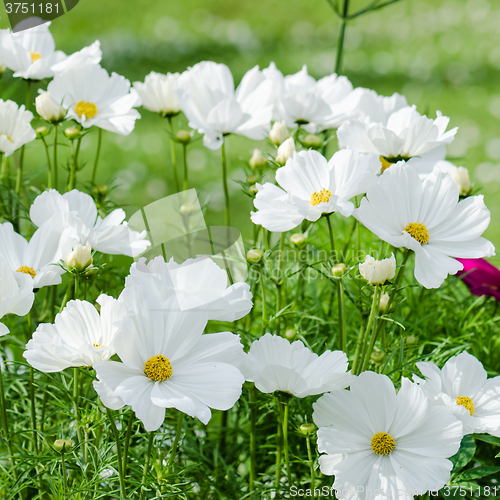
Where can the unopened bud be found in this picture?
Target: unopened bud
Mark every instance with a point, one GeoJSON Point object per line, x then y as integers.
{"type": "Point", "coordinates": [377, 356]}
{"type": "Point", "coordinates": [290, 334]}
{"type": "Point", "coordinates": [258, 161]}
{"type": "Point", "coordinates": [62, 444]}
{"type": "Point", "coordinates": [2, 70]}
{"type": "Point", "coordinates": [377, 272]}
{"type": "Point", "coordinates": [338, 270]}
{"type": "Point", "coordinates": [279, 133]}
{"type": "Point", "coordinates": [188, 209]}
{"type": "Point", "coordinates": [49, 109]}
{"type": "Point", "coordinates": [298, 239]}
{"type": "Point", "coordinates": [79, 258]}
{"type": "Point", "coordinates": [41, 132]}
{"type": "Point", "coordinates": [100, 190]}
{"type": "Point", "coordinates": [384, 303]}
{"type": "Point", "coordinates": [183, 136]}
{"type": "Point", "coordinates": [254, 256]}
{"type": "Point", "coordinates": [411, 339]}
{"type": "Point", "coordinates": [252, 179]}
{"type": "Point", "coordinates": [253, 190]}
{"type": "Point", "coordinates": [72, 133]}
{"type": "Point", "coordinates": [285, 151]}
{"type": "Point", "coordinates": [312, 141]}
{"type": "Point", "coordinates": [307, 429]}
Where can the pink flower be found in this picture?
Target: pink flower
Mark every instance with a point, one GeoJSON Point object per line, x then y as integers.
{"type": "Point", "coordinates": [481, 277]}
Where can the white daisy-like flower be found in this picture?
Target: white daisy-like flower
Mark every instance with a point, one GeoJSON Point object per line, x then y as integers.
{"type": "Point", "coordinates": [377, 272]}
{"type": "Point", "coordinates": [426, 217]}
{"type": "Point", "coordinates": [312, 186]}
{"type": "Point", "coordinates": [274, 364]}
{"type": "Point", "coordinates": [31, 53]}
{"type": "Point", "coordinates": [16, 293]}
{"type": "Point", "coordinates": [80, 336]}
{"type": "Point", "coordinates": [39, 257]}
{"type": "Point", "coordinates": [462, 385]}
{"type": "Point", "coordinates": [167, 362]}
{"type": "Point", "coordinates": [198, 284]}
{"type": "Point", "coordinates": [15, 127]}
{"type": "Point", "coordinates": [374, 108]}
{"type": "Point", "coordinates": [315, 105]}
{"type": "Point", "coordinates": [377, 440]}
{"type": "Point", "coordinates": [77, 211]}
{"type": "Point", "coordinates": [49, 109]}
{"type": "Point", "coordinates": [93, 98]}
{"type": "Point", "coordinates": [214, 108]}
{"type": "Point", "coordinates": [158, 93]}
{"type": "Point", "coordinates": [407, 134]}
{"type": "Point", "coordinates": [91, 54]}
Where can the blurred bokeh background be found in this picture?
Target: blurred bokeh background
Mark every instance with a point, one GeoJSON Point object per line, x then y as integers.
{"type": "Point", "coordinates": [442, 54]}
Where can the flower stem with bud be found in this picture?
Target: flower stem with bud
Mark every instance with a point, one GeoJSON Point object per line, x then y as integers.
{"type": "Point", "coordinates": [97, 155]}
{"type": "Point", "coordinates": [173, 153]}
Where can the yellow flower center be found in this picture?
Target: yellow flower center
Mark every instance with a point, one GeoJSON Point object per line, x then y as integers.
{"type": "Point", "coordinates": [385, 164]}
{"type": "Point", "coordinates": [35, 56]}
{"type": "Point", "coordinates": [467, 402]}
{"type": "Point", "coordinates": [89, 109]}
{"type": "Point", "coordinates": [8, 138]}
{"type": "Point", "coordinates": [418, 232]}
{"type": "Point", "coordinates": [322, 196]}
{"type": "Point", "coordinates": [158, 368]}
{"type": "Point", "coordinates": [97, 345]}
{"type": "Point", "coordinates": [27, 270]}
{"type": "Point", "coordinates": [383, 443]}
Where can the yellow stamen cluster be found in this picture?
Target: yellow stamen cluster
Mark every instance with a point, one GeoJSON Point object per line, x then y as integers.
{"type": "Point", "coordinates": [8, 138]}
{"type": "Point", "coordinates": [383, 443]}
{"type": "Point", "coordinates": [35, 56]}
{"type": "Point", "coordinates": [418, 232]}
{"type": "Point", "coordinates": [322, 196]}
{"type": "Point", "coordinates": [97, 345]}
{"type": "Point", "coordinates": [385, 164]}
{"type": "Point", "coordinates": [158, 368]}
{"type": "Point", "coordinates": [467, 402]}
{"type": "Point", "coordinates": [89, 109]}
{"type": "Point", "coordinates": [27, 270]}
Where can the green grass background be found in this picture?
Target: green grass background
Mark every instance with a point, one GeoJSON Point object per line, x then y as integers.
{"type": "Point", "coordinates": [443, 55]}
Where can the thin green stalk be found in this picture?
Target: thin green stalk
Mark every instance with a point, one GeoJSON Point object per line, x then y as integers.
{"type": "Point", "coordinates": [76, 397]}
{"type": "Point", "coordinates": [33, 409]}
{"type": "Point", "coordinates": [63, 465]}
{"type": "Point", "coordinates": [178, 432]}
{"type": "Point", "coordinates": [279, 447]}
{"type": "Point", "coordinates": [341, 38]}
{"type": "Point", "coordinates": [146, 463]}
{"type": "Point", "coordinates": [174, 154]}
{"type": "Point", "coordinates": [373, 313]}
{"type": "Point", "coordinates": [224, 181]}
{"type": "Point", "coordinates": [74, 163]}
{"type": "Point", "coordinates": [49, 177]}
{"type": "Point", "coordinates": [311, 462]}
{"type": "Point", "coordinates": [184, 154]}
{"type": "Point", "coordinates": [342, 316]}
{"type": "Point", "coordinates": [97, 155]}
{"type": "Point", "coordinates": [76, 286]}
{"type": "Point", "coordinates": [252, 396]}
{"type": "Point", "coordinates": [112, 423]}
{"type": "Point", "coordinates": [127, 442]}
{"type": "Point", "coordinates": [56, 172]}
{"type": "Point", "coordinates": [279, 283]}
{"type": "Point", "coordinates": [285, 443]}
{"type": "Point", "coordinates": [264, 306]}
{"type": "Point", "coordinates": [66, 296]}
{"type": "Point", "coordinates": [332, 241]}
{"type": "Point", "coordinates": [5, 425]}
{"type": "Point", "coordinates": [359, 345]}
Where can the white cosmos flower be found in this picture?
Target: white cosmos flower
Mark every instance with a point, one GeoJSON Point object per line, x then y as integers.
{"type": "Point", "coordinates": [274, 364]}
{"type": "Point", "coordinates": [76, 211]}
{"type": "Point", "coordinates": [91, 54]}
{"type": "Point", "coordinates": [462, 385]}
{"type": "Point", "coordinates": [407, 134]}
{"type": "Point", "coordinates": [158, 93]}
{"type": "Point", "coordinates": [93, 98]}
{"type": "Point", "coordinates": [198, 284]}
{"type": "Point", "coordinates": [426, 217]}
{"type": "Point", "coordinates": [15, 127]}
{"type": "Point", "coordinates": [460, 176]}
{"type": "Point", "coordinates": [31, 53]}
{"type": "Point", "coordinates": [16, 293]}
{"type": "Point", "coordinates": [311, 187]}
{"type": "Point", "coordinates": [49, 109]}
{"type": "Point", "coordinates": [315, 105]}
{"type": "Point", "coordinates": [375, 439]}
{"type": "Point", "coordinates": [214, 108]}
{"type": "Point", "coordinates": [39, 257]}
{"type": "Point", "coordinates": [374, 108]}
{"type": "Point", "coordinates": [167, 362]}
{"type": "Point", "coordinates": [377, 272]}
{"type": "Point", "coordinates": [80, 336]}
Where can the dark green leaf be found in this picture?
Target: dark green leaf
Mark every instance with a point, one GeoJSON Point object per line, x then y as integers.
{"type": "Point", "coordinates": [476, 473]}
{"type": "Point", "coordinates": [487, 439]}
{"type": "Point", "coordinates": [465, 453]}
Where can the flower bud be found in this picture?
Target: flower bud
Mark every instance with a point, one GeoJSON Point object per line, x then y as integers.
{"type": "Point", "coordinates": [254, 256]}
{"type": "Point", "coordinates": [188, 209]}
{"type": "Point", "coordinates": [298, 240]}
{"type": "Point", "coordinates": [183, 136]}
{"type": "Point", "coordinates": [338, 270]}
{"type": "Point", "coordinates": [258, 161]}
{"type": "Point", "coordinates": [100, 190]}
{"type": "Point", "coordinates": [252, 179]}
{"type": "Point", "coordinates": [411, 339]}
{"type": "Point", "coordinates": [377, 356]}
{"type": "Point", "coordinates": [384, 302]}
{"type": "Point", "coordinates": [2, 70]}
{"type": "Point", "coordinates": [312, 141]}
{"type": "Point", "coordinates": [72, 133]}
{"type": "Point", "coordinates": [49, 109]}
{"type": "Point", "coordinates": [41, 132]}
{"type": "Point", "coordinates": [460, 176]}
{"type": "Point", "coordinates": [253, 190]}
{"type": "Point", "coordinates": [307, 429]}
{"type": "Point", "coordinates": [279, 133]}
{"type": "Point", "coordinates": [377, 272]}
{"type": "Point", "coordinates": [62, 444]}
{"type": "Point", "coordinates": [79, 258]}
{"type": "Point", "coordinates": [290, 334]}
{"type": "Point", "coordinates": [285, 151]}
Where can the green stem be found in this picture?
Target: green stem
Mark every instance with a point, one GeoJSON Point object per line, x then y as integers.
{"type": "Point", "coordinates": [28, 95]}
{"type": "Point", "coordinates": [264, 306]}
{"type": "Point", "coordinates": [76, 286]}
{"type": "Point", "coordinates": [279, 283]}
{"type": "Point", "coordinates": [184, 153]}
{"type": "Point", "coordinates": [66, 296]}
{"type": "Point", "coordinates": [118, 452]}
{"type": "Point", "coordinates": [33, 409]}
{"type": "Point", "coordinates": [279, 447]}
{"type": "Point", "coordinates": [332, 240]}
{"type": "Point", "coordinates": [5, 425]}
{"type": "Point", "coordinates": [311, 462]}
{"type": "Point", "coordinates": [74, 165]}
{"type": "Point", "coordinates": [56, 172]}
{"type": "Point", "coordinates": [285, 443]}
{"type": "Point", "coordinates": [373, 313]}
{"type": "Point", "coordinates": [97, 155]}
{"type": "Point", "coordinates": [174, 154]}
{"type": "Point", "coordinates": [146, 463]}
{"type": "Point", "coordinates": [76, 397]}
{"type": "Point", "coordinates": [127, 442]}
{"type": "Point", "coordinates": [224, 181]}
{"type": "Point", "coordinates": [178, 432]}
{"type": "Point", "coordinates": [253, 435]}
{"type": "Point", "coordinates": [63, 465]}
{"type": "Point", "coordinates": [359, 345]}
{"type": "Point", "coordinates": [49, 166]}
{"type": "Point", "coordinates": [342, 316]}
{"type": "Point", "coordinates": [341, 38]}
